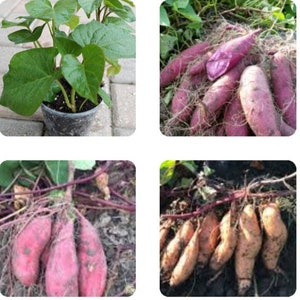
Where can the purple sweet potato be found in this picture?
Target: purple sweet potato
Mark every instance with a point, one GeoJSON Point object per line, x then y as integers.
{"type": "Point", "coordinates": [284, 94]}
{"type": "Point", "coordinates": [215, 97]}
{"type": "Point", "coordinates": [199, 65]}
{"type": "Point", "coordinates": [180, 106]}
{"type": "Point", "coordinates": [178, 65]}
{"type": "Point", "coordinates": [229, 54]}
{"type": "Point", "coordinates": [234, 118]}
{"type": "Point", "coordinates": [61, 276]}
{"type": "Point", "coordinates": [92, 261]}
{"type": "Point", "coordinates": [28, 247]}
{"type": "Point", "coordinates": [257, 102]}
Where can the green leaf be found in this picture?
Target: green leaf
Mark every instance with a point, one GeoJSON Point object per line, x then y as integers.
{"type": "Point", "coordinates": [40, 9]}
{"type": "Point", "coordinates": [7, 170]}
{"type": "Point", "coordinates": [25, 23]}
{"type": "Point", "coordinates": [167, 44]}
{"type": "Point", "coordinates": [181, 4]}
{"type": "Point", "coordinates": [58, 170]}
{"type": "Point", "coordinates": [164, 18]}
{"type": "Point", "coordinates": [84, 164]}
{"type": "Point", "coordinates": [115, 42]}
{"type": "Point", "coordinates": [167, 171]}
{"type": "Point", "coordinates": [60, 13]}
{"type": "Point", "coordinates": [25, 35]}
{"type": "Point", "coordinates": [113, 3]}
{"type": "Point", "coordinates": [189, 14]}
{"type": "Point", "coordinates": [26, 84]}
{"type": "Point", "coordinates": [85, 77]}
{"type": "Point", "coordinates": [125, 13]}
{"type": "Point", "coordinates": [66, 45]}
{"type": "Point", "coordinates": [113, 69]}
{"type": "Point", "coordinates": [73, 22]}
{"type": "Point", "coordinates": [105, 97]}
{"type": "Point", "coordinates": [119, 23]}
{"type": "Point", "coordinates": [53, 91]}
{"type": "Point", "coordinates": [89, 5]}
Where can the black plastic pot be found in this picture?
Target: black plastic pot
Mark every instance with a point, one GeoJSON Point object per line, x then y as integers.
{"type": "Point", "coordinates": [68, 124]}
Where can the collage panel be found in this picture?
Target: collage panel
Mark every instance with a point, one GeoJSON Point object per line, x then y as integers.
{"type": "Point", "coordinates": [67, 228]}
{"type": "Point", "coordinates": [67, 68]}
{"type": "Point", "coordinates": [227, 228]}
{"type": "Point", "coordinates": [228, 68]}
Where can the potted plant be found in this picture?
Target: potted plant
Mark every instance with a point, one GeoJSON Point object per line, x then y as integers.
{"type": "Point", "coordinates": [65, 78]}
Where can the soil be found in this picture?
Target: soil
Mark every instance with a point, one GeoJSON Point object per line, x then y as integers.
{"type": "Point", "coordinates": [264, 283]}
{"type": "Point", "coordinates": [59, 104]}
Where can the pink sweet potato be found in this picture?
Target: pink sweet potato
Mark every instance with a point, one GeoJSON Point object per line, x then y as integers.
{"type": "Point", "coordinates": [199, 65]}
{"type": "Point", "coordinates": [178, 65]}
{"type": "Point", "coordinates": [61, 276]}
{"type": "Point", "coordinates": [27, 249]}
{"type": "Point", "coordinates": [92, 261]}
{"type": "Point", "coordinates": [234, 118]}
{"type": "Point", "coordinates": [229, 54]}
{"type": "Point", "coordinates": [284, 94]}
{"type": "Point", "coordinates": [215, 97]}
{"type": "Point", "coordinates": [257, 102]}
{"type": "Point", "coordinates": [181, 107]}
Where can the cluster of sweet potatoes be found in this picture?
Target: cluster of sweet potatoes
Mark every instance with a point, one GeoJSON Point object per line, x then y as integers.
{"type": "Point", "coordinates": [72, 266]}
{"type": "Point", "coordinates": [239, 235]}
{"type": "Point", "coordinates": [230, 90]}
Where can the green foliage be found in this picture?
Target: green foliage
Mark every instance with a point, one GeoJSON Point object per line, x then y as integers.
{"type": "Point", "coordinates": [183, 22]}
{"type": "Point", "coordinates": [57, 170]}
{"type": "Point", "coordinates": [180, 25]}
{"type": "Point", "coordinates": [171, 172]}
{"type": "Point", "coordinates": [33, 76]}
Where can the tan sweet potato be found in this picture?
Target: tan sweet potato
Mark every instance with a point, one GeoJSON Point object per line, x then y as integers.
{"type": "Point", "coordinates": [163, 232]}
{"type": "Point", "coordinates": [276, 235]}
{"type": "Point", "coordinates": [226, 247]}
{"type": "Point", "coordinates": [175, 247]}
{"type": "Point", "coordinates": [187, 260]}
{"type": "Point", "coordinates": [92, 261]}
{"type": "Point", "coordinates": [61, 276]}
{"type": "Point", "coordinates": [248, 246]}
{"type": "Point", "coordinates": [208, 238]}
{"type": "Point", "coordinates": [28, 247]}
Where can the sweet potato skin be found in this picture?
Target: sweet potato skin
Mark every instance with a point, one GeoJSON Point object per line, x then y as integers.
{"type": "Point", "coordinates": [187, 260]}
{"type": "Point", "coordinates": [178, 65]}
{"type": "Point", "coordinates": [174, 248]}
{"type": "Point", "coordinates": [248, 246]}
{"type": "Point", "coordinates": [163, 232]}
{"type": "Point", "coordinates": [61, 276]}
{"type": "Point", "coordinates": [28, 247]}
{"type": "Point", "coordinates": [257, 102]}
{"type": "Point", "coordinates": [234, 118]}
{"type": "Point", "coordinates": [226, 247]}
{"type": "Point", "coordinates": [215, 97]}
{"type": "Point", "coordinates": [282, 82]}
{"type": "Point", "coordinates": [276, 235]}
{"type": "Point", "coordinates": [229, 54]}
{"type": "Point", "coordinates": [92, 261]}
{"type": "Point", "coordinates": [208, 238]}
{"type": "Point", "coordinates": [180, 106]}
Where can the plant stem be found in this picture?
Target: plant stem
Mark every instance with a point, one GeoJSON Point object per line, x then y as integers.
{"type": "Point", "coordinates": [73, 103]}
{"type": "Point", "coordinates": [64, 94]}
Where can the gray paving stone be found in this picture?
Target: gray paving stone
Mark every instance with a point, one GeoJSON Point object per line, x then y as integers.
{"type": "Point", "coordinates": [102, 124]}
{"type": "Point", "coordinates": [6, 54]}
{"type": "Point", "coordinates": [7, 7]}
{"type": "Point", "coordinates": [11, 127]}
{"type": "Point", "coordinates": [123, 131]}
{"type": "Point", "coordinates": [123, 105]}
{"type": "Point", "coordinates": [127, 74]}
